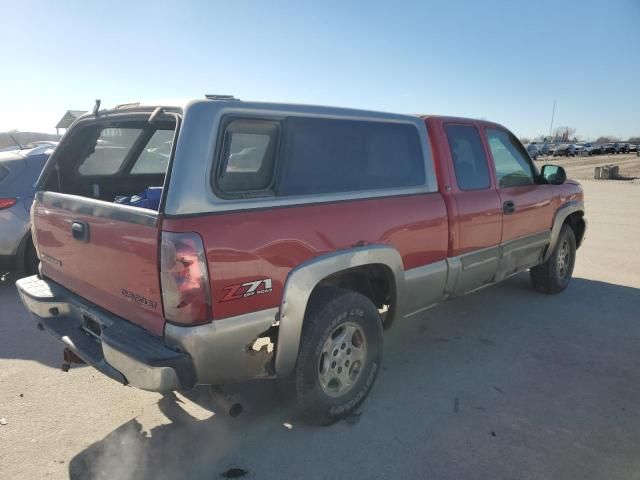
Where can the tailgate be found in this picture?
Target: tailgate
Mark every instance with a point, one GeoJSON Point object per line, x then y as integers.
{"type": "Point", "coordinates": [106, 253]}
{"type": "Point", "coordinates": [89, 226]}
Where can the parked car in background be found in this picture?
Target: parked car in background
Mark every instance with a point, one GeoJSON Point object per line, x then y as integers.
{"type": "Point", "coordinates": [544, 149]}
{"type": "Point", "coordinates": [625, 148]}
{"type": "Point", "coordinates": [578, 149]}
{"type": "Point", "coordinates": [633, 147]}
{"type": "Point", "coordinates": [609, 148]}
{"type": "Point", "coordinates": [551, 149]}
{"type": "Point", "coordinates": [10, 148]}
{"type": "Point", "coordinates": [19, 170]}
{"type": "Point", "coordinates": [29, 146]}
{"type": "Point", "coordinates": [588, 149]}
{"type": "Point", "coordinates": [276, 268]}
{"type": "Point", "coordinates": [533, 151]}
{"type": "Point", "coordinates": [568, 150]}
{"type": "Point", "coordinates": [597, 150]}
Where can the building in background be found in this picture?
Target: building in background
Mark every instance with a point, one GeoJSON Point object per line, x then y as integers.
{"type": "Point", "coordinates": [67, 119]}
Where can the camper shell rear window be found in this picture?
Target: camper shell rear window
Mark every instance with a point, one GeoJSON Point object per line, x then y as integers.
{"type": "Point", "coordinates": [110, 159]}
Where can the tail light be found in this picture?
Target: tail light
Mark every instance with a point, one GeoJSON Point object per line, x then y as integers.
{"type": "Point", "coordinates": [184, 279]}
{"type": "Point", "coordinates": [7, 202]}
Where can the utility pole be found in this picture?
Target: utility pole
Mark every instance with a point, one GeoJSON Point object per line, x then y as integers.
{"type": "Point", "coordinates": [553, 112]}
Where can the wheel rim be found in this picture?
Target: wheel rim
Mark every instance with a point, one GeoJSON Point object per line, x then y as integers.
{"type": "Point", "coordinates": [342, 359]}
{"type": "Point", "coordinates": [562, 260]}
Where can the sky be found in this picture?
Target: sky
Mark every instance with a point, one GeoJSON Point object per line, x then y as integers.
{"type": "Point", "coordinates": [504, 61]}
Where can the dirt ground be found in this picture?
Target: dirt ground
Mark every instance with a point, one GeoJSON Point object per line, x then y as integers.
{"type": "Point", "coordinates": [582, 168]}
{"type": "Point", "coordinates": [505, 383]}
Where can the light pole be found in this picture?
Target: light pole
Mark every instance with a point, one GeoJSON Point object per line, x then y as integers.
{"type": "Point", "coordinates": [553, 112]}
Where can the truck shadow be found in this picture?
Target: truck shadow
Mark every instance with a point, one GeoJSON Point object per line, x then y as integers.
{"type": "Point", "coordinates": [504, 363]}
{"type": "Point", "coordinates": [25, 340]}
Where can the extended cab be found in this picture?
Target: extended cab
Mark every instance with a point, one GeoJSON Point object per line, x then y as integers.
{"type": "Point", "coordinates": [226, 240]}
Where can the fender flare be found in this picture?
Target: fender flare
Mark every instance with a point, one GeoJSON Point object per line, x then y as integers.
{"type": "Point", "coordinates": [20, 263]}
{"type": "Point", "coordinates": [305, 277]}
{"type": "Point", "coordinates": [561, 215]}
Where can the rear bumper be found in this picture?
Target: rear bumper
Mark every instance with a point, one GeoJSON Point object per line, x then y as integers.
{"type": "Point", "coordinates": [223, 351]}
{"type": "Point", "coordinates": [117, 348]}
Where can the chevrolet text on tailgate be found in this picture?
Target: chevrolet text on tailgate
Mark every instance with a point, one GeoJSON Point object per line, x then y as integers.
{"type": "Point", "coordinates": [225, 240]}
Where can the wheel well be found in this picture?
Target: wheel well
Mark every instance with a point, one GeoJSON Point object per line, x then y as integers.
{"type": "Point", "coordinates": [578, 225]}
{"type": "Point", "coordinates": [21, 252]}
{"type": "Point", "coordinates": [375, 281]}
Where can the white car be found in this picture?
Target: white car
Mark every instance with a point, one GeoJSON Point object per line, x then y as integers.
{"type": "Point", "coordinates": [533, 151]}
{"type": "Point", "coordinates": [588, 149]}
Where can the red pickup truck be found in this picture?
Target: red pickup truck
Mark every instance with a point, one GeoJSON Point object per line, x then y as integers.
{"type": "Point", "coordinates": [225, 240]}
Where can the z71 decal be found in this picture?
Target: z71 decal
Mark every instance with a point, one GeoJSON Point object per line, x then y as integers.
{"type": "Point", "coordinates": [247, 289]}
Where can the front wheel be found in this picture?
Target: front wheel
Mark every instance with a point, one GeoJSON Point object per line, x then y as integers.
{"type": "Point", "coordinates": [554, 275]}
{"type": "Point", "coordinates": [339, 357]}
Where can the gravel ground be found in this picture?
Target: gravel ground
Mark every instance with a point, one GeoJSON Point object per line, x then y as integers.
{"type": "Point", "coordinates": [503, 384]}
{"type": "Point", "coordinates": [582, 168]}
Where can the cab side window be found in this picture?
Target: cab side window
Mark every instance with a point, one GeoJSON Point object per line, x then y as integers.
{"type": "Point", "coordinates": [469, 159]}
{"type": "Point", "coordinates": [332, 156]}
{"type": "Point", "coordinates": [513, 167]}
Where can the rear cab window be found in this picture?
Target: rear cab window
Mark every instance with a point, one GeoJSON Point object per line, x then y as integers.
{"type": "Point", "coordinates": [469, 160]}
{"type": "Point", "coordinates": [332, 156]}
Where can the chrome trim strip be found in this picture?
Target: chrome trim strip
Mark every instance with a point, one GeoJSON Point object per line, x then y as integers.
{"type": "Point", "coordinates": [304, 278]}
{"type": "Point", "coordinates": [97, 208]}
{"type": "Point", "coordinates": [540, 239]}
{"type": "Point", "coordinates": [423, 309]}
{"type": "Point", "coordinates": [480, 257]}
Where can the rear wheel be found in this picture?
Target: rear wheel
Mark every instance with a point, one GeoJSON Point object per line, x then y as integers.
{"type": "Point", "coordinates": [31, 260]}
{"type": "Point", "coordinates": [554, 275]}
{"type": "Point", "coordinates": [339, 357]}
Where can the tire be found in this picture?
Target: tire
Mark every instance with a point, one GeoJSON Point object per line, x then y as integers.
{"type": "Point", "coordinates": [554, 275]}
{"type": "Point", "coordinates": [31, 260]}
{"type": "Point", "coordinates": [345, 326]}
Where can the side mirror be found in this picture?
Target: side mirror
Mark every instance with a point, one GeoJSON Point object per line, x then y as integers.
{"type": "Point", "coordinates": [553, 174]}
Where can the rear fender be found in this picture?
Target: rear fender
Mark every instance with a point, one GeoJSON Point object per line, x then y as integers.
{"type": "Point", "coordinates": [304, 278]}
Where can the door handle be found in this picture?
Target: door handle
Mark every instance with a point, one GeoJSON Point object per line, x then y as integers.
{"type": "Point", "coordinates": [80, 231]}
{"type": "Point", "coordinates": [508, 207]}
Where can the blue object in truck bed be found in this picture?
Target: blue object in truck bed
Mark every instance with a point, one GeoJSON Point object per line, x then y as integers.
{"type": "Point", "coordinates": [149, 198]}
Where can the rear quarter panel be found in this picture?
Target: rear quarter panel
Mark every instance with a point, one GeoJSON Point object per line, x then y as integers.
{"type": "Point", "coordinates": [259, 244]}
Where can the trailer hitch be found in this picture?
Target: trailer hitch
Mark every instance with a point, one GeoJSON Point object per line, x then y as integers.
{"type": "Point", "coordinates": [69, 357]}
